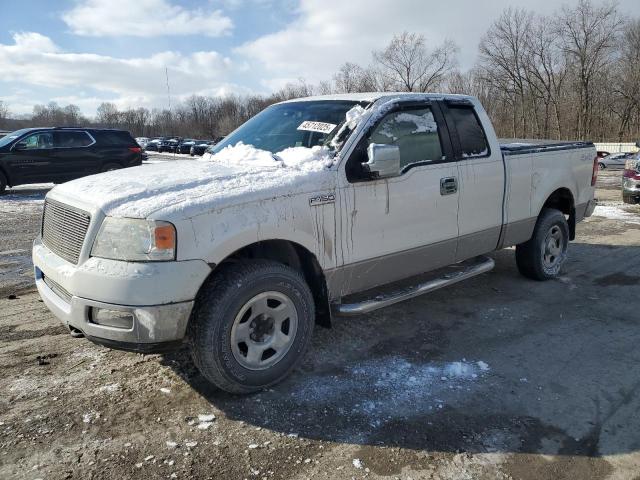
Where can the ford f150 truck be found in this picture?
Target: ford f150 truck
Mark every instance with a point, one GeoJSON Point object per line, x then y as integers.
{"type": "Point", "coordinates": [320, 206]}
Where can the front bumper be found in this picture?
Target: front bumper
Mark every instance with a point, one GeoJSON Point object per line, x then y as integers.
{"type": "Point", "coordinates": [158, 301]}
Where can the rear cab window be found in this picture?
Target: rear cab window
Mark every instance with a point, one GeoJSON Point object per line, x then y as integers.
{"type": "Point", "coordinates": [472, 139]}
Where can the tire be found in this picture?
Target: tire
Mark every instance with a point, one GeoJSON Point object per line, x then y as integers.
{"type": "Point", "coordinates": [601, 166]}
{"type": "Point", "coordinates": [629, 199]}
{"type": "Point", "coordinates": [3, 183]}
{"type": "Point", "coordinates": [230, 334]}
{"type": "Point", "coordinates": [111, 166]}
{"type": "Point", "coordinates": [542, 257]}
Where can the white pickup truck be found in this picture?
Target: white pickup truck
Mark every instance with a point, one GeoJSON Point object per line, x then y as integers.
{"type": "Point", "coordinates": [321, 206]}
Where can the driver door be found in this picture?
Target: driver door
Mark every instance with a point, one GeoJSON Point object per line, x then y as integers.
{"type": "Point", "coordinates": [30, 158]}
{"type": "Point", "coordinates": [396, 227]}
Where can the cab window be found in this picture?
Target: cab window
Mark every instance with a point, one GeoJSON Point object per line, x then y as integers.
{"type": "Point", "coordinates": [72, 140]}
{"type": "Point", "coordinates": [473, 141]}
{"type": "Point", "coordinates": [37, 141]}
{"type": "Point", "coordinates": [415, 132]}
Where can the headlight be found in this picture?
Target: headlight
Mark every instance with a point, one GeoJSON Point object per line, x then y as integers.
{"type": "Point", "coordinates": [133, 239]}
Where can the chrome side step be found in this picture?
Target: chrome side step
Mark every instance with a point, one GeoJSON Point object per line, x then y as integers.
{"type": "Point", "coordinates": [481, 265]}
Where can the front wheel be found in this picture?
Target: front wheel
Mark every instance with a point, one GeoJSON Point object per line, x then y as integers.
{"type": "Point", "coordinates": [601, 166]}
{"type": "Point", "coordinates": [251, 325]}
{"type": "Point", "coordinates": [542, 257]}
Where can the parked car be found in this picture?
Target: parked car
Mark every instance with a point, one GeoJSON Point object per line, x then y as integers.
{"type": "Point", "coordinates": [168, 145]}
{"type": "Point", "coordinates": [152, 145]}
{"type": "Point", "coordinates": [36, 155]}
{"type": "Point", "coordinates": [631, 179]}
{"type": "Point", "coordinates": [200, 147]}
{"type": "Point", "coordinates": [613, 160]}
{"type": "Point", "coordinates": [185, 145]}
{"type": "Point", "coordinates": [142, 141]}
{"type": "Point", "coordinates": [320, 206]}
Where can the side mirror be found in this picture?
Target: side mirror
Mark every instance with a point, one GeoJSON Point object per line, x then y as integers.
{"type": "Point", "coordinates": [384, 160]}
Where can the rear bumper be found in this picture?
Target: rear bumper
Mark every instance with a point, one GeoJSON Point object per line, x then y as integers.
{"type": "Point", "coordinates": [631, 186]}
{"type": "Point", "coordinates": [585, 209]}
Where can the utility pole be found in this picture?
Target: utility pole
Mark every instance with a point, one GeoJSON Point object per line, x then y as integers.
{"type": "Point", "coordinates": [166, 74]}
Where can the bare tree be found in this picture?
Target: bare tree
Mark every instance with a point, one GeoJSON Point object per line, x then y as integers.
{"type": "Point", "coordinates": [546, 72]}
{"type": "Point", "coordinates": [409, 65]}
{"type": "Point", "coordinates": [589, 37]}
{"type": "Point", "coordinates": [351, 77]}
{"type": "Point", "coordinates": [4, 111]}
{"type": "Point", "coordinates": [503, 57]}
{"type": "Point", "coordinates": [626, 81]}
{"type": "Point", "coordinates": [107, 114]}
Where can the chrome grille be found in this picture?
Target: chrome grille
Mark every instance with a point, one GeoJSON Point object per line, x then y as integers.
{"type": "Point", "coordinates": [64, 229]}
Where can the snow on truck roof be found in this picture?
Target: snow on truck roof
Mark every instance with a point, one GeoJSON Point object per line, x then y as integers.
{"type": "Point", "coordinates": [373, 96]}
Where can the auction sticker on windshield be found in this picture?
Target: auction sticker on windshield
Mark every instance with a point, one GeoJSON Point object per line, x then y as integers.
{"type": "Point", "coordinates": [317, 127]}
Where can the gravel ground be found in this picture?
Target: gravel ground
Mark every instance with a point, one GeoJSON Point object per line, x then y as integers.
{"type": "Point", "coordinates": [496, 378]}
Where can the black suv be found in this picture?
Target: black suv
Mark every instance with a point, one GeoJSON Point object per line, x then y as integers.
{"type": "Point", "coordinates": [39, 155]}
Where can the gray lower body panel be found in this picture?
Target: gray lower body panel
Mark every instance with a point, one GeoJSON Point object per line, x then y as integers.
{"type": "Point", "coordinates": [367, 274]}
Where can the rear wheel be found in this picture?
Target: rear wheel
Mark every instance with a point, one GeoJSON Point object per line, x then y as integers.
{"type": "Point", "coordinates": [111, 166]}
{"type": "Point", "coordinates": [3, 183]}
{"type": "Point", "coordinates": [251, 325]}
{"type": "Point", "coordinates": [542, 257]}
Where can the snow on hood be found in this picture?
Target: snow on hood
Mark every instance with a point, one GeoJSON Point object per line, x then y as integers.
{"type": "Point", "coordinates": [186, 188]}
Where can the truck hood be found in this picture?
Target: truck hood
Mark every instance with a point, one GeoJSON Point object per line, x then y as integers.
{"type": "Point", "coordinates": [186, 188]}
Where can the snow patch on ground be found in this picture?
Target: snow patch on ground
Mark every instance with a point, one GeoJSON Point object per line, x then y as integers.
{"type": "Point", "coordinates": [24, 198]}
{"type": "Point", "coordinates": [112, 388]}
{"type": "Point", "coordinates": [383, 389]}
{"type": "Point", "coordinates": [613, 212]}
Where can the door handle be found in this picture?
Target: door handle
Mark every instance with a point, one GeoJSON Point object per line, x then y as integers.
{"type": "Point", "coordinates": [448, 185]}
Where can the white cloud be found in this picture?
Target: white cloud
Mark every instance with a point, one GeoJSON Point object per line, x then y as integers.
{"type": "Point", "coordinates": [327, 33]}
{"type": "Point", "coordinates": [34, 60]}
{"type": "Point", "coordinates": [144, 18]}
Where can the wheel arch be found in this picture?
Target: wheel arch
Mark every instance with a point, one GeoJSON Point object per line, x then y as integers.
{"type": "Point", "coordinates": [295, 256]}
{"type": "Point", "coordinates": [563, 200]}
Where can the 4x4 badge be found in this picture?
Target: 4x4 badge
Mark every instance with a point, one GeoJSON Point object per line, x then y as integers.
{"type": "Point", "coordinates": [322, 200]}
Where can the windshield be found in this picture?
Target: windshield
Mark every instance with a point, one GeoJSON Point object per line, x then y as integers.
{"type": "Point", "coordinates": [297, 124]}
{"type": "Point", "coordinates": [10, 137]}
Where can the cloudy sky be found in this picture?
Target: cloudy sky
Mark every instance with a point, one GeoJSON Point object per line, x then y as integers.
{"type": "Point", "coordinates": [89, 51]}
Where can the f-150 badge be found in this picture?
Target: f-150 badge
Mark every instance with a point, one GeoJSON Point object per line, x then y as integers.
{"type": "Point", "coordinates": [322, 200]}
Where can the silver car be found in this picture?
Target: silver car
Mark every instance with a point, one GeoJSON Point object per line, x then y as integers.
{"type": "Point", "coordinates": [615, 160]}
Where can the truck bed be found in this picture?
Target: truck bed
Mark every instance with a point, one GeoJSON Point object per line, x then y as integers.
{"type": "Point", "coordinates": [520, 147]}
